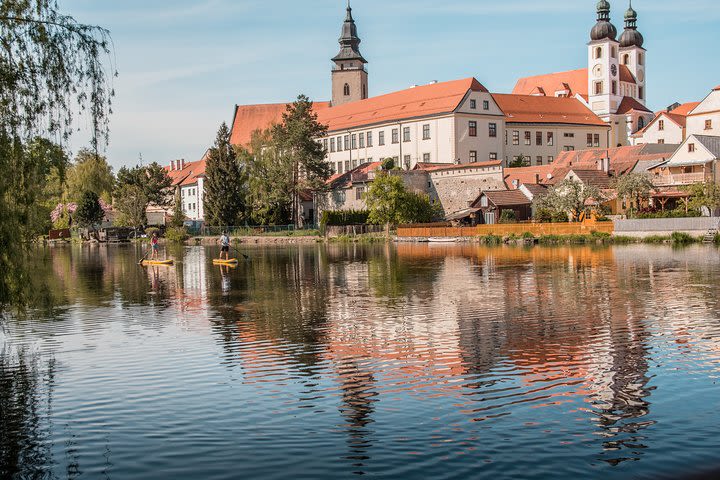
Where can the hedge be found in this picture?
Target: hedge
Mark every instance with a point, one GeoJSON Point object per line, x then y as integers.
{"type": "Point", "coordinates": [343, 217]}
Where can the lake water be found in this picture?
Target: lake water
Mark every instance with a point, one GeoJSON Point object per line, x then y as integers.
{"type": "Point", "coordinates": [407, 361]}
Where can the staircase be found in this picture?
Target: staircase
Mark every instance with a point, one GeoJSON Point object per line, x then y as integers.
{"type": "Point", "coordinates": [710, 235]}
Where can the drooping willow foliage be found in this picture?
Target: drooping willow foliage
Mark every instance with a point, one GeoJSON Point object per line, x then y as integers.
{"type": "Point", "coordinates": [52, 70]}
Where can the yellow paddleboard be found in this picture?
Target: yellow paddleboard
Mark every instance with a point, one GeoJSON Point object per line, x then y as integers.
{"type": "Point", "coordinates": [229, 261]}
{"type": "Point", "coordinates": [158, 262]}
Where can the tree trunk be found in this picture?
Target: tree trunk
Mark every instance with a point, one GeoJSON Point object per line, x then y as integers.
{"type": "Point", "coordinates": [387, 231]}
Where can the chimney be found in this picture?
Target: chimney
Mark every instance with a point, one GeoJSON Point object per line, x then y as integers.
{"type": "Point", "coordinates": [537, 178]}
{"type": "Point", "coordinates": [182, 163]}
{"type": "Point", "coordinates": [172, 165]}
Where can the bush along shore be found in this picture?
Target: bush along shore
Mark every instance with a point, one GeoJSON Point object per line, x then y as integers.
{"type": "Point", "coordinates": [597, 238]}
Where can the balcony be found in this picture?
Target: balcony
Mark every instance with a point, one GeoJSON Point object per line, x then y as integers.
{"type": "Point", "coordinates": [678, 179]}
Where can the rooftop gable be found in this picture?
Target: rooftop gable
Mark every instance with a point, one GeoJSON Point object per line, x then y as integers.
{"type": "Point", "coordinates": [250, 118]}
{"type": "Point", "coordinates": [575, 80]}
{"type": "Point", "coordinates": [421, 101]}
{"type": "Point", "coordinates": [629, 104]}
{"type": "Point", "coordinates": [538, 109]}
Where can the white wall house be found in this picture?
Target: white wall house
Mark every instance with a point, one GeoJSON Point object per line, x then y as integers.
{"type": "Point", "coordinates": [705, 118]}
{"type": "Point", "coordinates": [668, 126]}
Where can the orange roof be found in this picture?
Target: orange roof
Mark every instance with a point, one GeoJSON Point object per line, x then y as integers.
{"type": "Point", "coordinates": [415, 102]}
{"type": "Point", "coordinates": [716, 88]}
{"type": "Point", "coordinates": [198, 169]}
{"type": "Point", "coordinates": [430, 167]}
{"type": "Point", "coordinates": [685, 108]}
{"type": "Point", "coordinates": [575, 80]}
{"type": "Point", "coordinates": [535, 109]}
{"type": "Point", "coordinates": [519, 175]}
{"type": "Point", "coordinates": [189, 173]}
{"type": "Point", "coordinates": [626, 75]}
{"type": "Point", "coordinates": [344, 180]}
{"type": "Point", "coordinates": [628, 104]}
{"type": "Point", "coordinates": [249, 118]}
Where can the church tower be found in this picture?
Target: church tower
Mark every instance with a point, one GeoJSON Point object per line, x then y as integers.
{"type": "Point", "coordinates": [349, 77]}
{"type": "Point", "coordinates": [603, 64]}
{"type": "Point", "coordinates": [632, 53]}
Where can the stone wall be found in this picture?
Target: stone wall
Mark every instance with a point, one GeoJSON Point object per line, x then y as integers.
{"type": "Point", "coordinates": [456, 189]}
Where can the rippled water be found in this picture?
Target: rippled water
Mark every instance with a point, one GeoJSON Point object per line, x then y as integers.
{"type": "Point", "coordinates": [408, 361]}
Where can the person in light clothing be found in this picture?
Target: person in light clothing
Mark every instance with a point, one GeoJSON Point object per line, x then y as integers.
{"type": "Point", "coordinates": [224, 246]}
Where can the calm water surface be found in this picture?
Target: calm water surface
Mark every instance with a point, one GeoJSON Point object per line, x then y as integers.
{"type": "Point", "coordinates": [409, 361]}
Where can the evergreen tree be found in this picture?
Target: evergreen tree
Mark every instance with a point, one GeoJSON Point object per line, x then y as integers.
{"type": "Point", "coordinates": [178, 217]}
{"type": "Point", "coordinates": [296, 141]}
{"type": "Point", "coordinates": [269, 181]}
{"type": "Point", "coordinates": [89, 212]}
{"type": "Point", "coordinates": [89, 172]}
{"type": "Point", "coordinates": [225, 184]}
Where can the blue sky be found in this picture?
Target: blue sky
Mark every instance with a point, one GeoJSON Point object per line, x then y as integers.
{"type": "Point", "coordinates": [184, 64]}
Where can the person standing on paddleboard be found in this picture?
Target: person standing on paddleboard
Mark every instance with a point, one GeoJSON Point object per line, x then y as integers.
{"type": "Point", "coordinates": [225, 246]}
{"type": "Point", "coordinates": [155, 246]}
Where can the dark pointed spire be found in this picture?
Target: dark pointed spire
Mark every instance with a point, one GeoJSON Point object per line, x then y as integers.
{"type": "Point", "coordinates": [349, 40]}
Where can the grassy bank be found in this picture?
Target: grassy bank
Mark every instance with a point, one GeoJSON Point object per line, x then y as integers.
{"type": "Point", "coordinates": [597, 238]}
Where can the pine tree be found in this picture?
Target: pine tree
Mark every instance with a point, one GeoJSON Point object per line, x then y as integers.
{"type": "Point", "coordinates": [89, 212]}
{"type": "Point", "coordinates": [296, 140]}
{"type": "Point", "coordinates": [225, 183]}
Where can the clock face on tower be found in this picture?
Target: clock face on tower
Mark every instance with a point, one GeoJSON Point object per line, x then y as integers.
{"type": "Point", "coordinates": [613, 70]}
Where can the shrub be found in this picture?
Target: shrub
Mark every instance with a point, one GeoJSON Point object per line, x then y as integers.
{"type": "Point", "coordinates": [508, 216]}
{"type": "Point", "coordinates": [528, 235]}
{"type": "Point", "coordinates": [343, 217]}
{"type": "Point", "coordinates": [599, 235]}
{"type": "Point", "coordinates": [176, 234]}
{"type": "Point", "coordinates": [150, 230]}
{"type": "Point", "coordinates": [655, 239]}
{"type": "Point", "coordinates": [717, 239]}
{"type": "Point", "coordinates": [623, 239]}
{"type": "Point", "coordinates": [682, 238]}
{"type": "Point", "coordinates": [491, 240]}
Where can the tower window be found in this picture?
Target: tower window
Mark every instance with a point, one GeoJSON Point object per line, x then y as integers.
{"type": "Point", "coordinates": [626, 59]}
{"type": "Point", "coordinates": [598, 52]}
{"type": "Point", "coordinates": [614, 52]}
{"type": "Point", "coordinates": [614, 87]}
{"type": "Point", "coordinates": [641, 93]}
{"type": "Point", "coordinates": [346, 90]}
{"type": "Point", "coordinates": [641, 59]}
{"type": "Point", "coordinates": [598, 88]}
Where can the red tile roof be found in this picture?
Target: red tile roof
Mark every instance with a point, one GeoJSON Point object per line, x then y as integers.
{"type": "Point", "coordinates": [527, 175]}
{"type": "Point", "coordinates": [626, 75]}
{"type": "Point", "coordinates": [415, 102]}
{"type": "Point", "coordinates": [535, 109]}
{"type": "Point", "coordinates": [685, 108]}
{"type": "Point", "coordinates": [716, 88]}
{"type": "Point", "coordinates": [344, 180]}
{"type": "Point", "coordinates": [628, 104]}
{"type": "Point", "coordinates": [502, 198]}
{"type": "Point", "coordinates": [435, 167]}
{"type": "Point", "coordinates": [576, 80]}
{"type": "Point", "coordinates": [197, 170]}
{"type": "Point", "coordinates": [249, 118]}
{"type": "Point", "coordinates": [596, 178]}
{"type": "Point", "coordinates": [189, 173]}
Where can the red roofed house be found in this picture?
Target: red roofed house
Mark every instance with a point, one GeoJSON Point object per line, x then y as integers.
{"type": "Point", "coordinates": [188, 179]}
{"type": "Point", "coordinates": [705, 118]}
{"type": "Point", "coordinates": [668, 126]}
{"type": "Point", "coordinates": [613, 84]}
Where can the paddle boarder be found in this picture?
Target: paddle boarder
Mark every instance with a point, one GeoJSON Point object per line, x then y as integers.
{"type": "Point", "coordinates": [224, 246]}
{"type": "Point", "coordinates": [155, 246]}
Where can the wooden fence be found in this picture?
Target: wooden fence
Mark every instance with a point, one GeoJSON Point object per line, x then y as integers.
{"type": "Point", "coordinates": [506, 229]}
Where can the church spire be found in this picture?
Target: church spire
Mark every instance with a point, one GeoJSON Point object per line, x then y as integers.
{"type": "Point", "coordinates": [631, 37]}
{"type": "Point", "coordinates": [349, 40]}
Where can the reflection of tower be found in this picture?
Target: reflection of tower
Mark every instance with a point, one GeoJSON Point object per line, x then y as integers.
{"type": "Point", "coordinates": [358, 398]}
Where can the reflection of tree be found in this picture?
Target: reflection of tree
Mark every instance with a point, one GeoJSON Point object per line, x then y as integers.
{"type": "Point", "coordinates": [24, 449]}
{"type": "Point", "coordinates": [394, 276]}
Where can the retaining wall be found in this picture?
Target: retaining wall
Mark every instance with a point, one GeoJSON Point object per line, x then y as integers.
{"type": "Point", "coordinates": [695, 226]}
{"type": "Point", "coordinates": [506, 229]}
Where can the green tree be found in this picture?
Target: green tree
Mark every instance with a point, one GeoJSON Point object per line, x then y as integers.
{"type": "Point", "coordinates": [269, 180]}
{"type": "Point", "coordinates": [89, 212]}
{"type": "Point", "coordinates": [705, 194]}
{"type": "Point", "coordinates": [390, 203]}
{"type": "Point", "coordinates": [296, 141]}
{"type": "Point", "coordinates": [388, 164]}
{"type": "Point", "coordinates": [225, 186]}
{"type": "Point", "coordinates": [50, 68]}
{"type": "Point", "coordinates": [178, 217]}
{"type": "Point", "coordinates": [569, 197]}
{"type": "Point", "coordinates": [519, 161]}
{"type": "Point", "coordinates": [635, 186]}
{"type": "Point", "coordinates": [131, 204]}
{"type": "Point", "coordinates": [92, 172]}
{"type": "Point", "coordinates": [152, 179]}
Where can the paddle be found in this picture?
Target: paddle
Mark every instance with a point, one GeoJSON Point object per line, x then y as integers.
{"type": "Point", "coordinates": [144, 257]}
{"type": "Point", "coordinates": [238, 251]}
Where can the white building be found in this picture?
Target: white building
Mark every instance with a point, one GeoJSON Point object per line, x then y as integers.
{"type": "Point", "coordinates": [668, 126]}
{"type": "Point", "coordinates": [188, 179]}
{"type": "Point", "coordinates": [705, 118]}
{"type": "Point", "coordinates": [614, 84]}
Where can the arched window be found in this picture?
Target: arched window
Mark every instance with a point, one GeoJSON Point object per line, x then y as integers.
{"type": "Point", "coordinates": [598, 52]}
{"type": "Point", "coordinates": [641, 59]}
{"type": "Point", "coordinates": [626, 59]}
{"type": "Point", "coordinates": [641, 123]}
{"type": "Point", "coordinates": [614, 52]}
{"type": "Point", "coordinates": [346, 90]}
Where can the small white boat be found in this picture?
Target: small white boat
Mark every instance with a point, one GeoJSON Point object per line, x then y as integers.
{"type": "Point", "coordinates": [442, 240]}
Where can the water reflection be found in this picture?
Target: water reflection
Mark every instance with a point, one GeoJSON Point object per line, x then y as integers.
{"type": "Point", "coordinates": [411, 359]}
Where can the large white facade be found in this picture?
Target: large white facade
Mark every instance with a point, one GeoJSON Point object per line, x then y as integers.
{"type": "Point", "coordinates": [705, 118]}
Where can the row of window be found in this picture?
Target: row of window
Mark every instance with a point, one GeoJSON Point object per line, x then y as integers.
{"type": "Point", "coordinates": [486, 105]}
{"type": "Point", "coordinates": [539, 159]}
{"type": "Point", "coordinates": [347, 165]}
{"type": "Point", "coordinates": [613, 53]}
{"type": "Point", "coordinates": [599, 89]}
{"type": "Point", "coordinates": [190, 192]}
{"type": "Point", "coordinates": [361, 140]}
{"type": "Point", "coordinates": [474, 156]}
{"type": "Point", "coordinates": [549, 138]}
{"type": "Point", "coordinates": [191, 207]}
